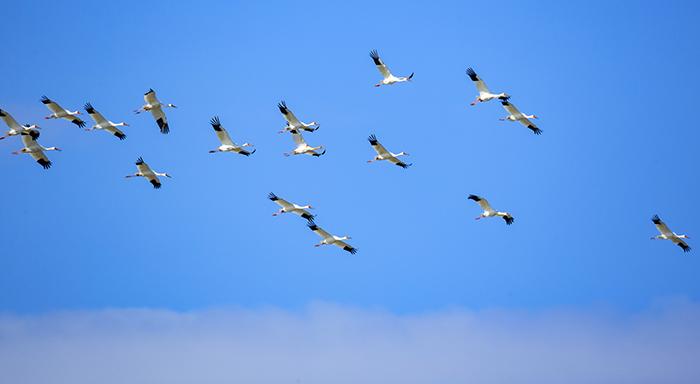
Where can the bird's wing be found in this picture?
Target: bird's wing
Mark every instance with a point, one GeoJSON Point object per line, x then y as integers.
{"type": "Point", "coordinates": [29, 138]}
{"type": "Point", "coordinates": [297, 137]}
{"type": "Point", "coordinates": [480, 85]}
{"type": "Point", "coordinates": [144, 169]}
{"type": "Point", "coordinates": [115, 131]}
{"type": "Point", "coordinates": [221, 132]}
{"type": "Point", "coordinates": [661, 226]}
{"type": "Point", "coordinates": [10, 121]}
{"type": "Point", "coordinates": [345, 246]}
{"type": "Point", "coordinates": [160, 118]}
{"type": "Point", "coordinates": [511, 109]}
{"type": "Point", "coordinates": [377, 146]}
{"type": "Point", "coordinates": [99, 119]}
{"type": "Point", "coordinates": [383, 69]}
{"type": "Point", "coordinates": [318, 230]}
{"type": "Point", "coordinates": [281, 202]}
{"type": "Point", "coordinates": [682, 244]}
{"type": "Point", "coordinates": [483, 203]}
{"type": "Point", "coordinates": [530, 125]}
{"type": "Point", "coordinates": [52, 105]}
{"type": "Point", "coordinates": [288, 115]}
{"type": "Point", "coordinates": [397, 161]}
{"type": "Point", "coordinates": [150, 97]}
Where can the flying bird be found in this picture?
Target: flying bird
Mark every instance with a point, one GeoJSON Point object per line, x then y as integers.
{"type": "Point", "coordinates": [388, 78]}
{"type": "Point", "coordinates": [328, 239]}
{"type": "Point", "coordinates": [156, 109]}
{"type": "Point", "coordinates": [490, 212]}
{"type": "Point", "coordinates": [227, 145]}
{"type": "Point", "coordinates": [667, 234]}
{"type": "Point", "coordinates": [484, 93]}
{"type": "Point", "coordinates": [293, 123]}
{"type": "Point", "coordinates": [383, 154]}
{"type": "Point", "coordinates": [146, 172]}
{"type": "Point", "coordinates": [302, 148]}
{"type": "Point", "coordinates": [58, 112]}
{"type": "Point", "coordinates": [287, 207]}
{"type": "Point", "coordinates": [102, 123]}
{"type": "Point", "coordinates": [515, 115]}
{"type": "Point", "coordinates": [33, 148]}
{"type": "Point", "coordinates": [15, 127]}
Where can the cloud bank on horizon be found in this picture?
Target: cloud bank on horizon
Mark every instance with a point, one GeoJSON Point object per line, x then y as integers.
{"type": "Point", "coordinates": [332, 344]}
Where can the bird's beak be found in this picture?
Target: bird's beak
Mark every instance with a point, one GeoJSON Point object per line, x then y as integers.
{"type": "Point", "coordinates": [59, 149]}
{"type": "Point", "coordinates": [126, 125]}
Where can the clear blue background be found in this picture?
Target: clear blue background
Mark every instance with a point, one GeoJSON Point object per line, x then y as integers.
{"type": "Point", "coordinates": [614, 85]}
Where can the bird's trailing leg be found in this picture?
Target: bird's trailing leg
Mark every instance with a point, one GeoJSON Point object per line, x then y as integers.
{"type": "Point", "coordinates": [281, 211]}
{"type": "Point", "coordinates": [477, 100]}
{"type": "Point", "coordinates": [478, 217]}
{"type": "Point", "coordinates": [378, 85]}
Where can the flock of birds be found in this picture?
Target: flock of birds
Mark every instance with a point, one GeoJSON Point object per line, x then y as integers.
{"type": "Point", "coordinates": [29, 134]}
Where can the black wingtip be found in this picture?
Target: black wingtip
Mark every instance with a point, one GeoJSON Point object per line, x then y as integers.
{"type": "Point", "coordinates": [215, 122]}
{"type": "Point", "coordinates": [509, 219]}
{"type": "Point", "coordinates": [535, 130]}
{"type": "Point", "coordinates": [474, 197]}
{"type": "Point", "coordinates": [120, 135]}
{"type": "Point", "coordinates": [350, 249]}
{"type": "Point", "coordinates": [272, 196]}
{"type": "Point", "coordinates": [2, 113]}
{"type": "Point", "coordinates": [156, 184]}
{"type": "Point", "coordinates": [283, 107]}
{"type": "Point", "coordinates": [45, 100]}
{"type": "Point", "coordinates": [89, 108]}
{"type": "Point", "coordinates": [320, 154]}
{"type": "Point", "coordinates": [78, 122]}
{"type": "Point", "coordinates": [656, 220]}
{"type": "Point", "coordinates": [150, 90]}
{"type": "Point", "coordinates": [312, 225]}
{"type": "Point", "coordinates": [685, 247]}
{"type": "Point", "coordinates": [308, 217]}
{"type": "Point", "coordinates": [411, 75]}
{"type": "Point", "coordinates": [372, 139]}
{"type": "Point", "coordinates": [46, 164]}
{"type": "Point", "coordinates": [404, 165]}
{"type": "Point", "coordinates": [139, 161]}
{"type": "Point", "coordinates": [472, 75]}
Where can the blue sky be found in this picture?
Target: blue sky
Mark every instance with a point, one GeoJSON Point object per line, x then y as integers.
{"type": "Point", "coordinates": [613, 85]}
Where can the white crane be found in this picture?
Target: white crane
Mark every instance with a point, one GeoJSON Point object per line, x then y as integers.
{"type": "Point", "coordinates": [104, 124]}
{"type": "Point", "coordinates": [15, 127]}
{"type": "Point", "coordinates": [328, 239]}
{"type": "Point", "coordinates": [156, 109]}
{"type": "Point", "coordinates": [302, 148]}
{"type": "Point", "coordinates": [388, 78]}
{"type": "Point", "coordinates": [293, 123]}
{"type": "Point", "coordinates": [58, 112]}
{"type": "Point", "coordinates": [667, 234]}
{"type": "Point", "coordinates": [490, 212]}
{"type": "Point", "coordinates": [33, 148]}
{"type": "Point", "coordinates": [146, 172]}
{"type": "Point", "coordinates": [515, 115]}
{"type": "Point", "coordinates": [484, 93]}
{"type": "Point", "coordinates": [383, 154]}
{"type": "Point", "coordinates": [287, 207]}
{"type": "Point", "coordinates": [227, 145]}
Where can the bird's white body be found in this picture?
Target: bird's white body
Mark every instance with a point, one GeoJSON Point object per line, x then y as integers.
{"type": "Point", "coordinates": [328, 239]}
{"type": "Point", "coordinates": [484, 93]}
{"type": "Point", "coordinates": [103, 124]}
{"type": "Point", "coordinates": [227, 145]}
{"type": "Point", "coordinates": [293, 123]}
{"type": "Point", "coordinates": [58, 112]}
{"type": "Point", "coordinates": [154, 106]}
{"type": "Point", "coordinates": [302, 148]}
{"type": "Point", "coordinates": [515, 115]}
{"type": "Point", "coordinates": [384, 154]}
{"type": "Point", "coordinates": [488, 211]}
{"type": "Point", "coordinates": [387, 77]}
{"type": "Point", "coordinates": [33, 148]}
{"type": "Point", "coordinates": [15, 127]}
{"type": "Point", "coordinates": [145, 171]}
{"type": "Point", "coordinates": [667, 234]}
{"type": "Point", "coordinates": [288, 207]}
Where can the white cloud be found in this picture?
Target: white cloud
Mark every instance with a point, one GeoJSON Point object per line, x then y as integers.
{"type": "Point", "coordinates": [331, 344]}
